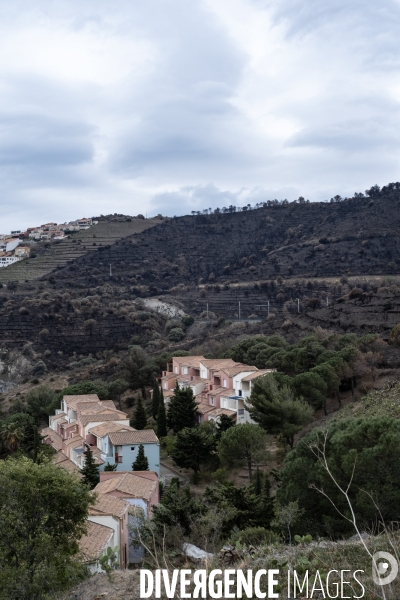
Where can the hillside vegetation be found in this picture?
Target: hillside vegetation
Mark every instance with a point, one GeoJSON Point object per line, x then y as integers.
{"type": "Point", "coordinates": [55, 255]}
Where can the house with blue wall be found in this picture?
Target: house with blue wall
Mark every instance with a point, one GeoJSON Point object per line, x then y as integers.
{"type": "Point", "coordinates": [119, 444]}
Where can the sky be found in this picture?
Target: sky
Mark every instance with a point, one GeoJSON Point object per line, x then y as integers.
{"type": "Point", "coordinates": [169, 106]}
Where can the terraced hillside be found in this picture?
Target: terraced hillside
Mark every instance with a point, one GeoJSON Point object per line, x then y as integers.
{"type": "Point", "coordinates": [359, 236]}
{"type": "Point", "coordinates": [58, 254]}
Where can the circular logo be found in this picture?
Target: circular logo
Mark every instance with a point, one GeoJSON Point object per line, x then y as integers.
{"type": "Point", "coordinates": [384, 568]}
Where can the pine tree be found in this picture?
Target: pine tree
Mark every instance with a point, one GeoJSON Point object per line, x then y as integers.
{"type": "Point", "coordinates": [90, 470]}
{"type": "Point", "coordinates": [161, 419]}
{"type": "Point", "coordinates": [141, 463]}
{"type": "Point", "coordinates": [182, 409]}
{"type": "Point", "coordinates": [139, 419]}
{"type": "Point", "coordinates": [224, 423]}
{"type": "Point", "coordinates": [156, 399]}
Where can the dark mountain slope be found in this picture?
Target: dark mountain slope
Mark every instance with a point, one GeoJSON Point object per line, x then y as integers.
{"type": "Point", "coordinates": [354, 237]}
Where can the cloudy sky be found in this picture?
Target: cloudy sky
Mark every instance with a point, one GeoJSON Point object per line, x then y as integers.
{"type": "Point", "coordinates": [177, 105]}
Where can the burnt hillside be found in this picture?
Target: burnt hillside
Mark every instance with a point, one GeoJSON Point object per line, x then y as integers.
{"type": "Point", "coordinates": [358, 236]}
{"type": "Point", "coordinates": [303, 259]}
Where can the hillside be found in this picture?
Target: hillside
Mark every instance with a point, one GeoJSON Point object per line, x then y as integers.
{"type": "Point", "coordinates": [359, 236]}
{"type": "Point", "coordinates": [292, 266]}
{"type": "Point", "coordinates": [55, 255]}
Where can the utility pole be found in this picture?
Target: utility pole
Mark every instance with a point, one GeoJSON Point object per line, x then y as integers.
{"type": "Point", "coordinates": [298, 305]}
{"type": "Point", "coordinates": [239, 312]}
{"type": "Point", "coordinates": [110, 271]}
{"type": "Point", "coordinates": [207, 310]}
{"type": "Point", "coordinates": [327, 301]}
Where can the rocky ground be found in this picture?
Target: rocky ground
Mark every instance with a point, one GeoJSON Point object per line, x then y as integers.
{"type": "Point", "coordinates": [120, 585]}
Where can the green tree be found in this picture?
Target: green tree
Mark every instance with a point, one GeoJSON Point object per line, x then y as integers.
{"type": "Point", "coordinates": [116, 389]}
{"type": "Point", "coordinates": [90, 471]}
{"type": "Point", "coordinates": [30, 442]}
{"type": "Point", "coordinates": [86, 387]}
{"type": "Point", "coordinates": [243, 444]}
{"type": "Point", "coordinates": [12, 435]}
{"type": "Point", "coordinates": [182, 409]}
{"type": "Point", "coordinates": [41, 402]}
{"type": "Point", "coordinates": [139, 419]}
{"type": "Point", "coordinates": [179, 508]}
{"type": "Point", "coordinates": [141, 463]}
{"type": "Point", "coordinates": [311, 387]}
{"type": "Point", "coordinates": [277, 410]}
{"type": "Point", "coordinates": [155, 400]}
{"type": "Point", "coordinates": [224, 423]}
{"type": "Point", "coordinates": [193, 447]}
{"type": "Point", "coordinates": [370, 447]}
{"type": "Point", "coordinates": [161, 418]}
{"type": "Point", "coordinates": [140, 370]}
{"type": "Point", "coordinates": [43, 514]}
{"type": "Point", "coordinates": [110, 467]}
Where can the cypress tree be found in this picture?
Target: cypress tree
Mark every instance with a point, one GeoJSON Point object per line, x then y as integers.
{"type": "Point", "coordinates": [90, 470]}
{"type": "Point", "coordinates": [139, 419]}
{"type": "Point", "coordinates": [182, 409]}
{"type": "Point", "coordinates": [141, 463]}
{"type": "Point", "coordinates": [161, 419]}
{"type": "Point", "coordinates": [156, 399]}
{"type": "Point", "coordinates": [257, 483]}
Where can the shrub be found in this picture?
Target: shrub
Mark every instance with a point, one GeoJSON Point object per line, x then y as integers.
{"type": "Point", "coordinates": [253, 536]}
{"type": "Point", "coordinates": [187, 320]}
{"type": "Point", "coordinates": [176, 334]}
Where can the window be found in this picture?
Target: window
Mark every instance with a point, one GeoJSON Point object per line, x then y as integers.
{"type": "Point", "coordinates": [240, 392]}
{"type": "Point", "coordinates": [224, 383]}
{"type": "Point", "coordinates": [165, 386]}
{"type": "Point", "coordinates": [132, 448]}
{"type": "Point", "coordinates": [211, 401]}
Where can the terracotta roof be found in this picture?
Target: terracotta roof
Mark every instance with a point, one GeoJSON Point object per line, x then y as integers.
{"type": "Point", "coordinates": [232, 371]}
{"type": "Point", "coordinates": [122, 438]}
{"type": "Point", "coordinates": [59, 457]}
{"type": "Point", "coordinates": [169, 376]}
{"type": "Point", "coordinates": [69, 466]}
{"type": "Point", "coordinates": [60, 415]}
{"type": "Point", "coordinates": [93, 407]}
{"type": "Point", "coordinates": [227, 393]}
{"type": "Point", "coordinates": [68, 425]}
{"type": "Point", "coordinates": [259, 373]}
{"type": "Point", "coordinates": [95, 541]}
{"type": "Point", "coordinates": [100, 417]}
{"type": "Point", "coordinates": [74, 399]}
{"type": "Point", "coordinates": [56, 440]}
{"type": "Point", "coordinates": [223, 411]}
{"type": "Point", "coordinates": [109, 505]}
{"type": "Point", "coordinates": [129, 484]}
{"type": "Point", "coordinates": [74, 441]}
{"type": "Point", "coordinates": [102, 430]}
{"type": "Point", "coordinates": [218, 390]}
{"type": "Point", "coordinates": [218, 363]}
{"type": "Point", "coordinates": [189, 361]}
{"type": "Point", "coordinates": [202, 409]}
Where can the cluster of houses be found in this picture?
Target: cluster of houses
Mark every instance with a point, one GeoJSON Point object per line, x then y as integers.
{"type": "Point", "coordinates": [12, 248]}
{"type": "Point", "coordinates": [220, 386]}
{"type": "Point", "coordinates": [86, 421]}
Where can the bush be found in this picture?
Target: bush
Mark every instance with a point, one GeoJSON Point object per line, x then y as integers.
{"type": "Point", "coordinates": [188, 320]}
{"type": "Point", "coordinates": [253, 536]}
{"type": "Point", "coordinates": [176, 334]}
